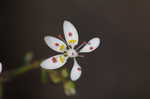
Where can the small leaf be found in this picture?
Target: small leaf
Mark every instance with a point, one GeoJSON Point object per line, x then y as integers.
{"type": "Point", "coordinates": [44, 76]}
{"type": "Point", "coordinates": [69, 88]}
{"type": "Point", "coordinates": [64, 73]}
{"type": "Point", "coordinates": [28, 57]}
{"type": "Point", "coordinates": [55, 77]}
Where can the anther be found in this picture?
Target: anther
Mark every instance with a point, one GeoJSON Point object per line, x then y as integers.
{"type": "Point", "coordinates": [62, 38]}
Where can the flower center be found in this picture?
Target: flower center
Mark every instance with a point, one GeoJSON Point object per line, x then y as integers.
{"type": "Point", "coordinates": [72, 53]}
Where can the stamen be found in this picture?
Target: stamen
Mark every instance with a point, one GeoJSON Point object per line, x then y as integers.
{"type": "Point", "coordinates": [80, 56]}
{"type": "Point", "coordinates": [82, 44]}
{"type": "Point", "coordinates": [65, 54]}
{"type": "Point", "coordinates": [62, 38]}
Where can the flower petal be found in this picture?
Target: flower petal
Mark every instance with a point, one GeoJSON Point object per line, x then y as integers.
{"type": "Point", "coordinates": [91, 45]}
{"type": "Point", "coordinates": [0, 67]}
{"type": "Point", "coordinates": [55, 44]}
{"type": "Point", "coordinates": [54, 62]}
{"type": "Point", "coordinates": [70, 33]}
{"type": "Point", "coordinates": [76, 71]}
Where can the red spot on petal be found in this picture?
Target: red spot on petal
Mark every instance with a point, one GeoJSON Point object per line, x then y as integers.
{"type": "Point", "coordinates": [91, 48]}
{"type": "Point", "coordinates": [70, 34]}
{"type": "Point", "coordinates": [54, 60]}
{"type": "Point", "coordinates": [79, 69]}
{"type": "Point", "coordinates": [56, 44]}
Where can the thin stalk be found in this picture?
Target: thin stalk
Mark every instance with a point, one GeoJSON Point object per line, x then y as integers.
{"type": "Point", "coordinates": [9, 75]}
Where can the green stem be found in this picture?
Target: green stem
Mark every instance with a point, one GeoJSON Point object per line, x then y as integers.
{"type": "Point", "coordinates": [26, 68]}
{"type": "Point", "coordinates": [6, 76]}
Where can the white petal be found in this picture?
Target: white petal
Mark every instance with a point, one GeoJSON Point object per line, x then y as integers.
{"type": "Point", "coordinates": [70, 33]}
{"type": "Point", "coordinates": [55, 44]}
{"type": "Point", "coordinates": [0, 67]}
{"type": "Point", "coordinates": [91, 45]}
{"type": "Point", "coordinates": [54, 62]}
{"type": "Point", "coordinates": [76, 71]}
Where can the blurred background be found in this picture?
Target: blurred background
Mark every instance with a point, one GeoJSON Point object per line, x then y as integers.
{"type": "Point", "coordinates": [118, 69]}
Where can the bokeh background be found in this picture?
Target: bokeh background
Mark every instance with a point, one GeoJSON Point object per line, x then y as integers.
{"type": "Point", "coordinates": [118, 69]}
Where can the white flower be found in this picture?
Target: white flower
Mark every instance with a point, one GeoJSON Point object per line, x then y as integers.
{"type": "Point", "coordinates": [67, 50]}
{"type": "Point", "coordinates": [0, 67]}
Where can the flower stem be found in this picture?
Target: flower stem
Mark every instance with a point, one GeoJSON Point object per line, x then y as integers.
{"type": "Point", "coordinates": [9, 75]}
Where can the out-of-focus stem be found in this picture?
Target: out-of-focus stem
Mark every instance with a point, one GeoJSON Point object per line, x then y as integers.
{"type": "Point", "coordinates": [9, 75]}
{"type": "Point", "coordinates": [1, 90]}
{"type": "Point", "coordinates": [26, 68]}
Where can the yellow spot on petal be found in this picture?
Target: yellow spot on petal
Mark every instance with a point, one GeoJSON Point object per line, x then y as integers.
{"type": "Point", "coordinates": [61, 58]}
{"type": "Point", "coordinates": [62, 47]}
{"type": "Point", "coordinates": [72, 41]}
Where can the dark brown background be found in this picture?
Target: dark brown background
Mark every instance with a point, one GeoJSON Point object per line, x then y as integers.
{"type": "Point", "coordinates": [119, 69]}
